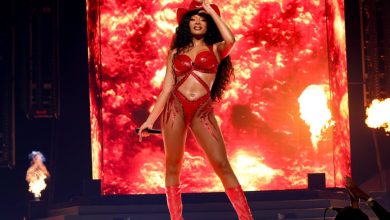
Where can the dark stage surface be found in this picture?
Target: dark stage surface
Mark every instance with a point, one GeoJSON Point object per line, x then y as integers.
{"type": "Point", "coordinates": [66, 141]}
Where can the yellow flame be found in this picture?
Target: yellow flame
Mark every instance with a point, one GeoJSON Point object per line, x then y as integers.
{"type": "Point", "coordinates": [242, 15]}
{"type": "Point", "coordinates": [305, 18]}
{"type": "Point", "coordinates": [314, 111]}
{"type": "Point", "coordinates": [252, 171]}
{"type": "Point", "coordinates": [164, 20]}
{"type": "Point", "coordinates": [378, 114]}
{"type": "Point", "coordinates": [36, 176]}
{"type": "Point", "coordinates": [344, 109]}
{"type": "Point", "coordinates": [232, 93]}
{"type": "Point", "coordinates": [158, 77]}
{"type": "Point", "coordinates": [279, 60]}
{"type": "Point", "coordinates": [165, 2]}
{"type": "Point", "coordinates": [316, 2]}
{"type": "Point", "coordinates": [153, 174]}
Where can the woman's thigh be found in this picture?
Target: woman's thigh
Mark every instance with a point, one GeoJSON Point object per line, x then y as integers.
{"type": "Point", "coordinates": [174, 131]}
{"type": "Point", "coordinates": [207, 133]}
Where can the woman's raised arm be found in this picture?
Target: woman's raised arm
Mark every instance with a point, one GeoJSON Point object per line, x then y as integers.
{"type": "Point", "coordinates": [227, 44]}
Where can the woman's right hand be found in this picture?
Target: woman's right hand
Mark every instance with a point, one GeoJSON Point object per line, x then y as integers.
{"type": "Point", "coordinates": [143, 130]}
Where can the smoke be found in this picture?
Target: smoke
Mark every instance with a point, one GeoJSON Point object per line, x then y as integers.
{"type": "Point", "coordinates": [36, 155]}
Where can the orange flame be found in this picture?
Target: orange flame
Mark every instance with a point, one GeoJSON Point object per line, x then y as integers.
{"type": "Point", "coordinates": [37, 174]}
{"type": "Point", "coordinates": [315, 112]}
{"type": "Point", "coordinates": [378, 114]}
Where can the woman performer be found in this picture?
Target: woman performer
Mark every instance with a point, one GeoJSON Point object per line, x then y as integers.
{"type": "Point", "coordinates": [198, 71]}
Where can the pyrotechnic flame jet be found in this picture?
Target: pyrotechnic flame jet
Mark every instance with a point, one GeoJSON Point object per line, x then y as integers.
{"type": "Point", "coordinates": [37, 174]}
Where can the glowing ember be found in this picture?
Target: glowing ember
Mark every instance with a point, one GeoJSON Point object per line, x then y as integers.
{"type": "Point", "coordinates": [378, 114]}
{"type": "Point", "coordinates": [315, 112]}
{"type": "Point", "coordinates": [37, 174]}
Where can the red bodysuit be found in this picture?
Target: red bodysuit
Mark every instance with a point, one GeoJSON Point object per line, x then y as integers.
{"type": "Point", "coordinates": [205, 62]}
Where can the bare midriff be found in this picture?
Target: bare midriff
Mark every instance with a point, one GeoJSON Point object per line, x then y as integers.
{"type": "Point", "coordinates": [192, 89]}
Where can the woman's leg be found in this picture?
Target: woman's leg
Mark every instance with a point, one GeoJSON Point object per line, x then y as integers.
{"type": "Point", "coordinates": [208, 135]}
{"type": "Point", "coordinates": [174, 134]}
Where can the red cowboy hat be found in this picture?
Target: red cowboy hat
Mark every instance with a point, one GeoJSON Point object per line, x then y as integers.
{"type": "Point", "coordinates": [193, 6]}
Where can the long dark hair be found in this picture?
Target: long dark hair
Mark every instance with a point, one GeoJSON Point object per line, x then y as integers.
{"type": "Point", "coordinates": [183, 40]}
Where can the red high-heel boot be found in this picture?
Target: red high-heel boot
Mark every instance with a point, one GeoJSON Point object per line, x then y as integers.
{"type": "Point", "coordinates": [238, 200]}
{"type": "Point", "coordinates": [173, 194]}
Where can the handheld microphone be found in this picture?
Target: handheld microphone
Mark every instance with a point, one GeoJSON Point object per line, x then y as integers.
{"type": "Point", "coordinates": [150, 131]}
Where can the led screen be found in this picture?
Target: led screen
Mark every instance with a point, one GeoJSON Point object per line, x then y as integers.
{"type": "Point", "coordinates": [285, 114]}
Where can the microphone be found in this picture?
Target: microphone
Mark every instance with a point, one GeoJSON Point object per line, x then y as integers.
{"type": "Point", "coordinates": [150, 131]}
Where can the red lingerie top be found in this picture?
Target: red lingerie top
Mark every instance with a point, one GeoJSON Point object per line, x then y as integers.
{"type": "Point", "coordinates": [205, 62]}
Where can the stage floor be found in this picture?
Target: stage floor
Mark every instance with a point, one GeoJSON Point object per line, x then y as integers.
{"type": "Point", "coordinates": [287, 204]}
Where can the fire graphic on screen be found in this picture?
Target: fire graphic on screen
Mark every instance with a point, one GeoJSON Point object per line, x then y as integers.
{"type": "Point", "coordinates": [315, 112]}
{"type": "Point", "coordinates": [282, 49]}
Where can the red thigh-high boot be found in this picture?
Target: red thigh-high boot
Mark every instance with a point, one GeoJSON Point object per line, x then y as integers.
{"type": "Point", "coordinates": [238, 200]}
{"type": "Point", "coordinates": [173, 194]}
